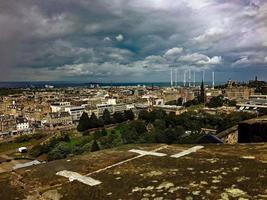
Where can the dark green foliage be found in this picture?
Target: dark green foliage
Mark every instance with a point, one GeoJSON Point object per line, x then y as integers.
{"type": "Point", "coordinates": [171, 119]}
{"type": "Point", "coordinates": [111, 140]}
{"type": "Point", "coordinates": [139, 126]}
{"type": "Point", "coordinates": [94, 121]}
{"type": "Point", "coordinates": [195, 101]}
{"type": "Point", "coordinates": [100, 122]}
{"type": "Point", "coordinates": [143, 115]}
{"type": "Point", "coordinates": [106, 117]}
{"type": "Point", "coordinates": [152, 116]}
{"type": "Point", "coordinates": [156, 114]}
{"type": "Point", "coordinates": [55, 154]}
{"type": "Point", "coordinates": [153, 127]}
{"type": "Point", "coordinates": [100, 133]}
{"type": "Point", "coordinates": [190, 121]}
{"type": "Point", "coordinates": [129, 115]}
{"type": "Point", "coordinates": [201, 97]}
{"type": "Point", "coordinates": [216, 102]}
{"type": "Point", "coordinates": [94, 146]}
{"type": "Point", "coordinates": [65, 138]}
{"type": "Point", "coordinates": [160, 124]}
{"type": "Point", "coordinates": [59, 152]}
{"type": "Point", "coordinates": [26, 138]}
{"type": "Point", "coordinates": [84, 123]}
{"type": "Point", "coordinates": [133, 131]}
{"type": "Point", "coordinates": [168, 136]}
{"type": "Point", "coordinates": [97, 134]}
{"type": "Point", "coordinates": [50, 145]}
{"type": "Point", "coordinates": [37, 151]}
{"type": "Point", "coordinates": [129, 135]}
{"type": "Point", "coordinates": [87, 123]}
{"type": "Point", "coordinates": [118, 117]}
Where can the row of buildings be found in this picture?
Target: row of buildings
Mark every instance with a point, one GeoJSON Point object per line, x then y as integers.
{"type": "Point", "coordinates": [56, 108]}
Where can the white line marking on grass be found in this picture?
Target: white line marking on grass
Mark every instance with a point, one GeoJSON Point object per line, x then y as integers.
{"type": "Point", "coordinates": [147, 153]}
{"type": "Point", "coordinates": [92, 182]}
{"type": "Point", "coordinates": [186, 152]}
{"type": "Point", "coordinates": [76, 176]}
{"type": "Point", "coordinates": [124, 161]}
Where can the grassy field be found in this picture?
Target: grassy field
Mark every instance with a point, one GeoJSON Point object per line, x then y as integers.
{"type": "Point", "coordinates": [13, 146]}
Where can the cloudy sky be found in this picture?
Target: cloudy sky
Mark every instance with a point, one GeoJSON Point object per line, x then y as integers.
{"type": "Point", "coordinates": [132, 40]}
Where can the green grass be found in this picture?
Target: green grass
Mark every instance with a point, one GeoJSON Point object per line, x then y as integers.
{"type": "Point", "coordinates": [195, 107]}
{"type": "Point", "coordinates": [74, 141]}
{"type": "Point", "coordinates": [117, 131]}
{"type": "Point", "coordinates": [12, 146]}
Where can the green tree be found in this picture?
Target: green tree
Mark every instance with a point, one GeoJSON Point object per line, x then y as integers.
{"type": "Point", "coordinates": [129, 115]}
{"type": "Point", "coordinates": [160, 124]}
{"type": "Point", "coordinates": [84, 122]}
{"type": "Point", "coordinates": [60, 151]}
{"type": "Point", "coordinates": [118, 117]}
{"type": "Point", "coordinates": [55, 154]}
{"type": "Point", "coordinates": [139, 126]}
{"type": "Point", "coordinates": [129, 135]}
{"type": "Point", "coordinates": [143, 115]}
{"type": "Point", "coordinates": [94, 121]}
{"type": "Point", "coordinates": [156, 114]}
{"type": "Point", "coordinates": [106, 117]}
{"type": "Point", "coordinates": [36, 151]}
{"type": "Point", "coordinates": [99, 133]}
{"type": "Point", "coordinates": [95, 146]}
{"type": "Point", "coordinates": [216, 102]}
{"type": "Point", "coordinates": [65, 138]}
{"type": "Point", "coordinates": [170, 136]}
{"type": "Point", "coordinates": [201, 97]}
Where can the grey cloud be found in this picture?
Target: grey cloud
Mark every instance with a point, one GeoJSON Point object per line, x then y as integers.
{"type": "Point", "coordinates": [67, 39]}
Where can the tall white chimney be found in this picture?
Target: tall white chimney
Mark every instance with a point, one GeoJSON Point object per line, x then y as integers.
{"type": "Point", "coordinates": [203, 76]}
{"type": "Point", "coordinates": [189, 77]}
{"type": "Point", "coordinates": [171, 78]}
{"type": "Point", "coordinates": [213, 82]}
{"type": "Point", "coordinates": [194, 79]}
{"type": "Point", "coordinates": [176, 77]}
{"type": "Point", "coordinates": [184, 78]}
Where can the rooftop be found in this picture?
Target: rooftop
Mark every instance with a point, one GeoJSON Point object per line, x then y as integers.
{"type": "Point", "coordinates": [172, 172]}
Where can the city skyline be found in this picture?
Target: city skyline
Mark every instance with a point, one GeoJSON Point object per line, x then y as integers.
{"type": "Point", "coordinates": [132, 41]}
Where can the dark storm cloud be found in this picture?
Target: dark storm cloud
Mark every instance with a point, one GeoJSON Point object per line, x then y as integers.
{"type": "Point", "coordinates": [140, 40]}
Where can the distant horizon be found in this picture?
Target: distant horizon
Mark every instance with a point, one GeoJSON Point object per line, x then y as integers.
{"type": "Point", "coordinates": [64, 84]}
{"type": "Point", "coordinates": [108, 82]}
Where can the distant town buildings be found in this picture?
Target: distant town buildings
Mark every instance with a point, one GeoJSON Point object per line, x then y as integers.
{"type": "Point", "coordinates": [63, 107]}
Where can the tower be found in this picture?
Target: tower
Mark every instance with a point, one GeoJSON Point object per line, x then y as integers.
{"type": "Point", "coordinates": [171, 78]}
{"type": "Point", "coordinates": [203, 76]}
{"type": "Point", "coordinates": [194, 79]}
{"type": "Point", "coordinates": [189, 78]}
{"type": "Point", "coordinates": [176, 82]}
{"type": "Point", "coordinates": [202, 93]}
{"type": "Point", "coordinates": [213, 83]}
{"type": "Point", "coordinates": [184, 78]}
